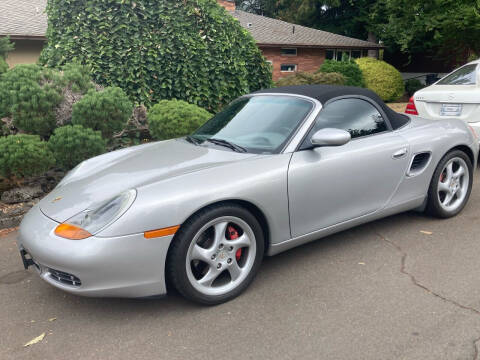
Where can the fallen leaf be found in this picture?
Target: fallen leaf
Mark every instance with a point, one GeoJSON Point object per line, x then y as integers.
{"type": "Point", "coordinates": [52, 319]}
{"type": "Point", "coordinates": [34, 341]}
{"type": "Point", "coordinates": [426, 232]}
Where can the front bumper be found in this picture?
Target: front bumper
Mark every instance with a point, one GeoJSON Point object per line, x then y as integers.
{"type": "Point", "coordinates": [127, 266]}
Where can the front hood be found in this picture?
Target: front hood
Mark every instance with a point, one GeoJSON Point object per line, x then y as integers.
{"type": "Point", "coordinates": [461, 94]}
{"type": "Point", "coordinates": [101, 178]}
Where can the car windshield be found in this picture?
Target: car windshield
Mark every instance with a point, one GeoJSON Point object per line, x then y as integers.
{"type": "Point", "coordinates": [257, 124]}
{"type": "Point", "coordinates": [466, 75]}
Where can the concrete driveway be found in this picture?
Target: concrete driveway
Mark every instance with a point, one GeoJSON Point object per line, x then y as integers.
{"type": "Point", "coordinates": [407, 287]}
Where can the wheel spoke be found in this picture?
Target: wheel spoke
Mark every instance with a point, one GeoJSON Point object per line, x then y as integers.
{"type": "Point", "coordinates": [235, 270]}
{"type": "Point", "coordinates": [199, 253]}
{"type": "Point", "coordinates": [448, 199]}
{"type": "Point", "coordinates": [220, 230]}
{"type": "Point", "coordinates": [209, 277]}
{"type": "Point", "coordinates": [443, 187]}
{"type": "Point", "coordinates": [241, 242]}
{"type": "Point", "coordinates": [449, 169]}
{"type": "Point", "coordinates": [460, 172]}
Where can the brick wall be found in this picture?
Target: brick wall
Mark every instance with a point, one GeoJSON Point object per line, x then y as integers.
{"type": "Point", "coordinates": [307, 59]}
{"type": "Point", "coordinates": [229, 5]}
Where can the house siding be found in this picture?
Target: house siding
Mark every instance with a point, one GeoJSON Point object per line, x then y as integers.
{"type": "Point", "coordinates": [307, 60]}
{"type": "Point", "coordinates": [26, 52]}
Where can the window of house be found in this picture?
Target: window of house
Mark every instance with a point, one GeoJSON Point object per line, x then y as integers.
{"type": "Point", "coordinates": [356, 54]}
{"type": "Point", "coordinates": [358, 117]}
{"type": "Point", "coordinates": [330, 54]}
{"type": "Point", "coordinates": [289, 52]}
{"type": "Point", "coordinates": [288, 68]}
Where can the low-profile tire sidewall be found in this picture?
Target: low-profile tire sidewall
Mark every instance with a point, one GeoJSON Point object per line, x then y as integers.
{"type": "Point", "coordinates": [176, 260]}
{"type": "Point", "coordinates": [433, 206]}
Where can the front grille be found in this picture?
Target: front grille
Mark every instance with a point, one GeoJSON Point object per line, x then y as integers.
{"type": "Point", "coordinates": [64, 278]}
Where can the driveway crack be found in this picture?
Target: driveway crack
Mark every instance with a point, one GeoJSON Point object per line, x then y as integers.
{"type": "Point", "coordinates": [403, 270]}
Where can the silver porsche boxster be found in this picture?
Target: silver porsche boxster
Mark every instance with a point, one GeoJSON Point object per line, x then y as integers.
{"type": "Point", "coordinates": [273, 170]}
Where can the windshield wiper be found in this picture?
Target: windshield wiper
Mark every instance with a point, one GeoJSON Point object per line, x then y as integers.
{"type": "Point", "coordinates": [192, 140]}
{"type": "Point", "coordinates": [228, 144]}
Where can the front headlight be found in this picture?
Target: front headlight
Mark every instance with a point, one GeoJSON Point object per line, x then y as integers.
{"type": "Point", "coordinates": [90, 222]}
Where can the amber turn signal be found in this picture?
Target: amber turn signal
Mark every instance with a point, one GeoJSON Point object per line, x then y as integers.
{"type": "Point", "coordinates": [71, 232]}
{"type": "Point", "coordinates": [161, 232]}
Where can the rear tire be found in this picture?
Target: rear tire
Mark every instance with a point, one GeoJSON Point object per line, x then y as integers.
{"type": "Point", "coordinates": [450, 186]}
{"type": "Point", "coordinates": [216, 254]}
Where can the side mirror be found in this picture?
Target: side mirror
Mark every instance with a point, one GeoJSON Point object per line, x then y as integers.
{"type": "Point", "coordinates": [330, 137]}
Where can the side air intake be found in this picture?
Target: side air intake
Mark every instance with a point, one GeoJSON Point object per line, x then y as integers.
{"type": "Point", "coordinates": [419, 163]}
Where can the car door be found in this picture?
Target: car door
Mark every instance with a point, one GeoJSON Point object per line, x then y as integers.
{"type": "Point", "coordinates": [331, 185]}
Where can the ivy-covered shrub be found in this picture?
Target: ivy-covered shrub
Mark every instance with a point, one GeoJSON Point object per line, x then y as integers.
{"type": "Point", "coordinates": [30, 93]}
{"type": "Point", "coordinates": [412, 86]}
{"type": "Point", "coordinates": [165, 49]}
{"type": "Point", "coordinates": [106, 111]}
{"type": "Point", "coordinates": [24, 155]}
{"type": "Point", "coordinates": [349, 69]}
{"type": "Point", "coordinates": [3, 66]}
{"type": "Point", "coordinates": [175, 118]}
{"type": "Point", "coordinates": [382, 78]}
{"type": "Point", "coordinates": [71, 145]}
{"type": "Point", "coordinates": [305, 78]}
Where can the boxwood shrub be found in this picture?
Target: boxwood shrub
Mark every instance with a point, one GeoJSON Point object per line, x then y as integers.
{"type": "Point", "coordinates": [349, 69]}
{"type": "Point", "coordinates": [73, 144]}
{"type": "Point", "coordinates": [3, 66]}
{"type": "Point", "coordinates": [175, 118]}
{"type": "Point", "coordinates": [107, 111]}
{"type": "Point", "coordinates": [382, 78]}
{"type": "Point", "coordinates": [24, 155]}
{"type": "Point", "coordinates": [305, 78]}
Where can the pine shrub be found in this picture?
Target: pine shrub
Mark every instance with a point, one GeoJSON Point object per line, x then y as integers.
{"type": "Point", "coordinates": [107, 111]}
{"type": "Point", "coordinates": [71, 145]}
{"type": "Point", "coordinates": [175, 118]}
{"type": "Point", "coordinates": [30, 94]}
{"type": "Point", "coordinates": [24, 155]}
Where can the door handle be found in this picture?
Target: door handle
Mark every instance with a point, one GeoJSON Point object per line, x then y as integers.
{"type": "Point", "coordinates": [400, 153]}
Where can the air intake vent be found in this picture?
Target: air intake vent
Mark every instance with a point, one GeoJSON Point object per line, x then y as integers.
{"type": "Point", "coordinates": [420, 161]}
{"type": "Point", "coordinates": [64, 278]}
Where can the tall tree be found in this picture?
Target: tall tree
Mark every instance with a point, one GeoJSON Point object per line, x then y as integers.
{"type": "Point", "coordinates": [447, 26]}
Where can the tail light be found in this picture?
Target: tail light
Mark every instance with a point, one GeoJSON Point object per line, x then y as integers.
{"type": "Point", "coordinates": [411, 108]}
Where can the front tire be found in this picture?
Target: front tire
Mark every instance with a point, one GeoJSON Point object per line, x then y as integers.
{"type": "Point", "coordinates": [216, 254]}
{"type": "Point", "coordinates": [451, 185]}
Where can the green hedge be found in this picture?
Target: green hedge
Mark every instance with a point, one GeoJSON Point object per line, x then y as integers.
{"type": "Point", "coordinates": [412, 86]}
{"type": "Point", "coordinates": [175, 118]}
{"type": "Point", "coordinates": [164, 49]}
{"type": "Point", "coordinates": [24, 155]}
{"type": "Point", "coordinates": [382, 78]}
{"type": "Point", "coordinates": [349, 69]}
{"type": "Point", "coordinates": [106, 111]}
{"type": "Point", "coordinates": [71, 145]}
{"type": "Point", "coordinates": [305, 78]}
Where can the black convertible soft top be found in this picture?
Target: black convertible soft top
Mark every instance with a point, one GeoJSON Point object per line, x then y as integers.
{"type": "Point", "coordinates": [324, 93]}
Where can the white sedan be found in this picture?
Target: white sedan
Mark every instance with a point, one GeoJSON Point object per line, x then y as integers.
{"type": "Point", "coordinates": [457, 95]}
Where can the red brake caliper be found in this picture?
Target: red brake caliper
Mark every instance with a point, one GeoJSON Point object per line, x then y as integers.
{"type": "Point", "coordinates": [234, 235]}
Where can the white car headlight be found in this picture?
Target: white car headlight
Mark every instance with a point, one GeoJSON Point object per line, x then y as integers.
{"type": "Point", "coordinates": [89, 222]}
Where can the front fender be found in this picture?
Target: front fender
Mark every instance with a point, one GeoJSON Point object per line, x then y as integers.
{"type": "Point", "coordinates": [261, 181]}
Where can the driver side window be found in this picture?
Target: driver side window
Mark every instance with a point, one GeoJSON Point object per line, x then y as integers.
{"type": "Point", "coordinates": [357, 116]}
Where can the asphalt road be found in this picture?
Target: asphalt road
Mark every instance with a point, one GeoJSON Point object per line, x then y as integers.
{"type": "Point", "coordinates": [385, 290]}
